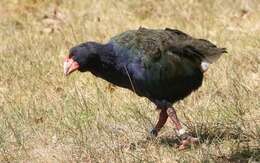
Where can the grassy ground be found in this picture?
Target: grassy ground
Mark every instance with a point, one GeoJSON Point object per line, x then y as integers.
{"type": "Point", "coordinates": [45, 117]}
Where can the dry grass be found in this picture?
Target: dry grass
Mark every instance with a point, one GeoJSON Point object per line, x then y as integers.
{"type": "Point", "coordinates": [45, 117]}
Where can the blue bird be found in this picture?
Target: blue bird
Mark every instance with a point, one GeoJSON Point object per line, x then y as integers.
{"type": "Point", "coordinates": [163, 65]}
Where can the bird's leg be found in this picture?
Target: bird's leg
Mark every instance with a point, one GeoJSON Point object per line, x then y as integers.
{"type": "Point", "coordinates": [163, 116]}
{"type": "Point", "coordinates": [173, 116]}
{"type": "Point", "coordinates": [186, 139]}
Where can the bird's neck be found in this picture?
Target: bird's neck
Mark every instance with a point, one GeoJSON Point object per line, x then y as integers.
{"type": "Point", "coordinates": [96, 48]}
{"type": "Point", "coordinates": [104, 56]}
{"type": "Point", "coordinates": [109, 66]}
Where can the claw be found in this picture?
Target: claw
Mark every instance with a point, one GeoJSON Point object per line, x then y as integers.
{"type": "Point", "coordinates": [187, 142]}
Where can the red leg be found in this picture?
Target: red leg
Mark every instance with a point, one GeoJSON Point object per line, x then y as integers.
{"type": "Point", "coordinates": [186, 139]}
{"type": "Point", "coordinates": [173, 116]}
{"type": "Point", "coordinates": [163, 116]}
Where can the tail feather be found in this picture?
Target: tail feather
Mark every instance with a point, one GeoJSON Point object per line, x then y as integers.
{"type": "Point", "coordinates": [208, 52]}
{"type": "Point", "coordinates": [214, 54]}
{"type": "Point", "coordinates": [203, 49]}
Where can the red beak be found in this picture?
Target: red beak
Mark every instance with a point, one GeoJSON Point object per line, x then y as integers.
{"type": "Point", "coordinates": [69, 65]}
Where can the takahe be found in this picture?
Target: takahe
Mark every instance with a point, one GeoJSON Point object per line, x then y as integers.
{"type": "Point", "coordinates": [163, 65]}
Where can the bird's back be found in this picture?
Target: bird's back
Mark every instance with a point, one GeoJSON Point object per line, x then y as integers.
{"type": "Point", "coordinates": [164, 64]}
{"type": "Point", "coordinates": [154, 43]}
{"type": "Point", "coordinates": [149, 42]}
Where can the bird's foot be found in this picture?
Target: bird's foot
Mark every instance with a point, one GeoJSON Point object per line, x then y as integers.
{"type": "Point", "coordinates": [187, 140]}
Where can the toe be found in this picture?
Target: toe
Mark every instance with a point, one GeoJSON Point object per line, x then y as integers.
{"type": "Point", "coordinates": [194, 140]}
{"type": "Point", "coordinates": [186, 143]}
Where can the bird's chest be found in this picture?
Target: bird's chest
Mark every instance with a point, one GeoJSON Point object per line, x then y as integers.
{"type": "Point", "coordinates": [112, 74]}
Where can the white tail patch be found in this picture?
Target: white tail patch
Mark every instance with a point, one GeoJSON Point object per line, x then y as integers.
{"type": "Point", "coordinates": [204, 66]}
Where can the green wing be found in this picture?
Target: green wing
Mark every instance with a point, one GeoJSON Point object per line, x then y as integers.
{"type": "Point", "coordinates": [169, 56]}
{"type": "Point", "coordinates": [158, 48]}
{"type": "Point", "coordinates": [148, 42]}
{"type": "Point", "coordinates": [155, 44]}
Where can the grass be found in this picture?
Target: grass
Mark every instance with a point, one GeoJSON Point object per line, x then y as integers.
{"type": "Point", "coordinates": [45, 117]}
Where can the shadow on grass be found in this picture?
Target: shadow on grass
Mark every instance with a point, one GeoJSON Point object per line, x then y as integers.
{"type": "Point", "coordinates": [242, 155]}
{"type": "Point", "coordinates": [207, 136]}
{"type": "Point", "coordinates": [246, 155]}
{"type": "Point", "coordinates": [172, 142]}
{"type": "Point", "coordinates": [167, 141]}
{"type": "Point", "coordinates": [216, 133]}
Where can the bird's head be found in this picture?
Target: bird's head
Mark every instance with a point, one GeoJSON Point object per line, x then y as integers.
{"type": "Point", "coordinates": [78, 58]}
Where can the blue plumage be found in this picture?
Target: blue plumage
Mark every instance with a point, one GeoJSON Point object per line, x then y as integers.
{"type": "Point", "coordinates": [162, 65]}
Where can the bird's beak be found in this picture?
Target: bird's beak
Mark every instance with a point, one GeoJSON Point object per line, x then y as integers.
{"type": "Point", "coordinates": [69, 66]}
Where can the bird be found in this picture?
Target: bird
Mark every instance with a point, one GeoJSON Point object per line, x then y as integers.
{"type": "Point", "coordinates": [163, 65]}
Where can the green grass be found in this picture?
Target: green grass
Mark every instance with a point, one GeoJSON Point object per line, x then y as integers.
{"type": "Point", "coordinates": [45, 117]}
